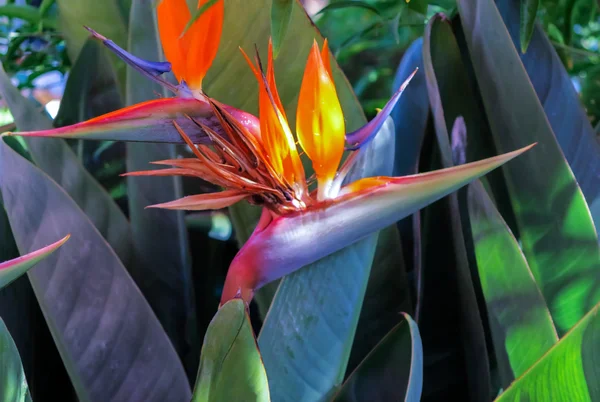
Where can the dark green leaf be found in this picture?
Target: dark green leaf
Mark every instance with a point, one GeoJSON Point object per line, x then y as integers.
{"type": "Point", "coordinates": [231, 368]}
{"type": "Point", "coordinates": [529, 10]}
{"type": "Point", "coordinates": [13, 385]}
{"type": "Point", "coordinates": [393, 371]}
{"type": "Point", "coordinates": [281, 14]}
{"type": "Point", "coordinates": [568, 372]}
{"type": "Point", "coordinates": [56, 158]}
{"type": "Point", "coordinates": [556, 230]}
{"type": "Point", "coordinates": [561, 104]}
{"type": "Point", "coordinates": [438, 68]}
{"type": "Point", "coordinates": [313, 317]}
{"type": "Point", "coordinates": [161, 267]}
{"type": "Point", "coordinates": [111, 343]}
{"type": "Point", "coordinates": [348, 3]}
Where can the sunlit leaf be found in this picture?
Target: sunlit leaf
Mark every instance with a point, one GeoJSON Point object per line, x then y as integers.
{"type": "Point", "coordinates": [556, 230]}
{"type": "Point", "coordinates": [568, 372]}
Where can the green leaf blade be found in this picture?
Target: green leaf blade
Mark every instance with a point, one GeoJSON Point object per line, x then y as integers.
{"type": "Point", "coordinates": [231, 368]}
{"type": "Point", "coordinates": [13, 385]}
{"type": "Point", "coordinates": [529, 10]}
{"type": "Point", "coordinates": [281, 14]}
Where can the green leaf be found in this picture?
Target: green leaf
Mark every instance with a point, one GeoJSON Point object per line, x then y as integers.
{"type": "Point", "coordinates": [568, 372]}
{"type": "Point", "coordinates": [23, 12]}
{"type": "Point", "coordinates": [110, 341]}
{"type": "Point", "coordinates": [13, 385]}
{"type": "Point", "coordinates": [45, 6]}
{"type": "Point", "coordinates": [438, 38]}
{"type": "Point", "coordinates": [562, 105]}
{"type": "Point", "coordinates": [55, 157]}
{"type": "Point", "coordinates": [556, 230]}
{"type": "Point", "coordinates": [12, 269]}
{"type": "Point", "coordinates": [313, 318]}
{"type": "Point", "coordinates": [393, 371]}
{"type": "Point", "coordinates": [520, 321]}
{"type": "Point", "coordinates": [281, 14]}
{"type": "Point", "coordinates": [529, 10]}
{"type": "Point", "coordinates": [162, 266]}
{"type": "Point", "coordinates": [348, 3]}
{"type": "Point", "coordinates": [230, 367]}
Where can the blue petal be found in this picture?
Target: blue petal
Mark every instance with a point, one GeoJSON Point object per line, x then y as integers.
{"type": "Point", "coordinates": [358, 138]}
{"type": "Point", "coordinates": [151, 69]}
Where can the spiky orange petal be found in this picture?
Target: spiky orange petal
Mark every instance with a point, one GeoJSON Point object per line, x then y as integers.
{"type": "Point", "coordinates": [203, 42]}
{"type": "Point", "coordinates": [173, 15]}
{"type": "Point", "coordinates": [319, 120]}
{"type": "Point", "coordinates": [202, 202]}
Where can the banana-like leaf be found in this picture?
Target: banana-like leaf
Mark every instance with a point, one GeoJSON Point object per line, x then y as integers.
{"type": "Point", "coordinates": [111, 342]}
{"type": "Point", "coordinates": [231, 368]}
{"type": "Point", "coordinates": [161, 267]}
{"type": "Point", "coordinates": [568, 372]}
{"type": "Point", "coordinates": [561, 103]}
{"type": "Point", "coordinates": [315, 312]}
{"type": "Point", "coordinates": [13, 384]}
{"type": "Point", "coordinates": [470, 326]}
{"type": "Point", "coordinates": [556, 230]}
{"type": "Point", "coordinates": [520, 321]}
{"type": "Point", "coordinates": [12, 269]}
{"type": "Point", "coordinates": [56, 158]}
{"type": "Point", "coordinates": [393, 371]}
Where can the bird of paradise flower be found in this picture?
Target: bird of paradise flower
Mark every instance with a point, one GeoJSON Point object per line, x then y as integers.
{"type": "Point", "coordinates": [258, 160]}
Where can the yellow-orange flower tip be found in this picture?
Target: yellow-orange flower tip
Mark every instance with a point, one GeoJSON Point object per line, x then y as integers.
{"type": "Point", "coordinates": [320, 121]}
{"type": "Point", "coordinates": [192, 54]}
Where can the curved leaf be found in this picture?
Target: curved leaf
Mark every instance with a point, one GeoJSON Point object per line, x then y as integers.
{"type": "Point", "coordinates": [13, 385]}
{"type": "Point", "coordinates": [231, 368]}
{"type": "Point", "coordinates": [56, 158]}
{"type": "Point", "coordinates": [313, 317]}
{"type": "Point", "coordinates": [12, 269]}
{"type": "Point", "coordinates": [568, 372]}
{"type": "Point", "coordinates": [111, 343]}
{"type": "Point", "coordinates": [392, 371]}
{"type": "Point", "coordinates": [557, 233]}
{"type": "Point", "coordinates": [520, 321]}
{"type": "Point", "coordinates": [162, 266]}
{"type": "Point", "coordinates": [561, 103]}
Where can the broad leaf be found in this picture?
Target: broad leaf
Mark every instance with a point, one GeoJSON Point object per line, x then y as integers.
{"type": "Point", "coordinates": [161, 267]}
{"type": "Point", "coordinates": [568, 372]}
{"type": "Point", "coordinates": [561, 103]}
{"type": "Point", "coordinates": [231, 368]}
{"type": "Point", "coordinates": [13, 385]}
{"type": "Point", "coordinates": [111, 343]}
{"type": "Point", "coordinates": [313, 317]}
{"type": "Point", "coordinates": [556, 230]}
{"type": "Point", "coordinates": [439, 69]}
{"type": "Point", "coordinates": [529, 10]}
{"type": "Point", "coordinates": [54, 156]}
{"type": "Point", "coordinates": [393, 371]}
{"type": "Point", "coordinates": [520, 321]}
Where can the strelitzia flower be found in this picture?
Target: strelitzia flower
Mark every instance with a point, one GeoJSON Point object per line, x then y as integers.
{"type": "Point", "coordinates": [299, 225]}
{"type": "Point", "coordinates": [190, 51]}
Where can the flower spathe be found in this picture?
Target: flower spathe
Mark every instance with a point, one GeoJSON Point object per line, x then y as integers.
{"type": "Point", "coordinates": [299, 226]}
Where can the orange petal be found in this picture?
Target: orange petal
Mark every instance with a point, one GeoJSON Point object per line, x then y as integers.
{"type": "Point", "coordinates": [173, 15]}
{"type": "Point", "coordinates": [202, 202]}
{"type": "Point", "coordinates": [202, 40]}
{"type": "Point", "coordinates": [320, 121]}
{"type": "Point", "coordinates": [325, 57]}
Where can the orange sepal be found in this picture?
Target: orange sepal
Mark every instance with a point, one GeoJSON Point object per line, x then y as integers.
{"type": "Point", "coordinates": [173, 15]}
